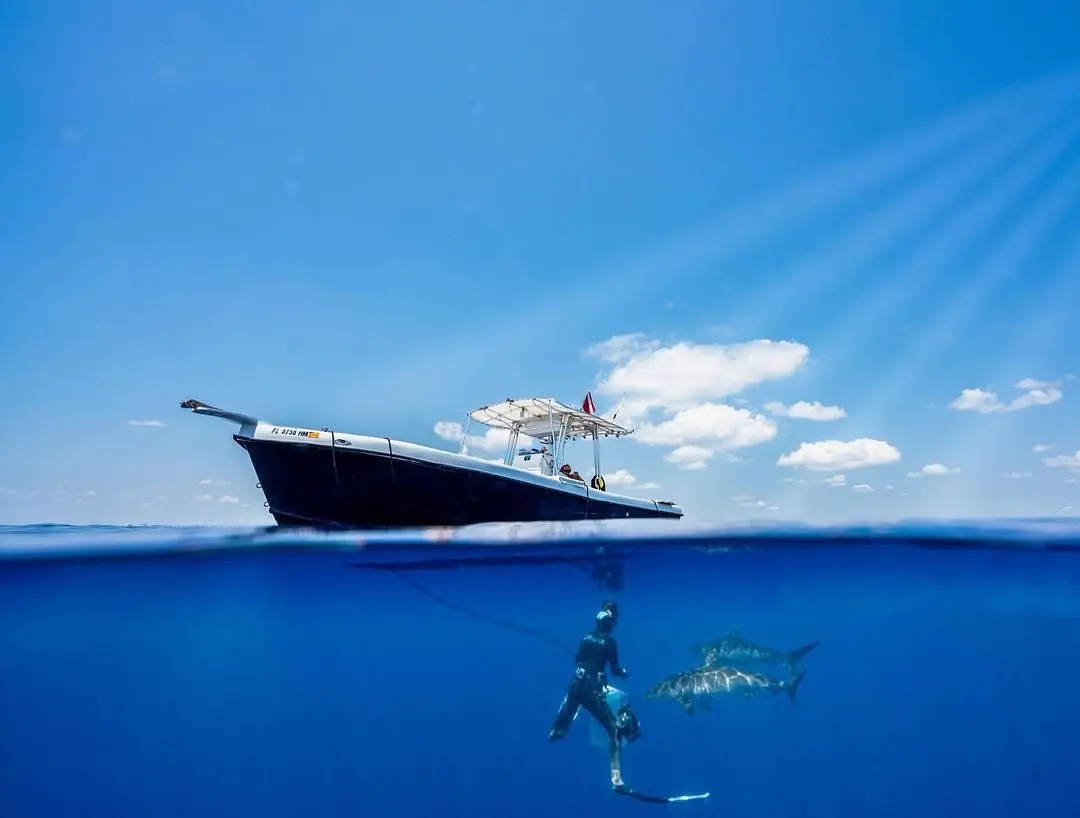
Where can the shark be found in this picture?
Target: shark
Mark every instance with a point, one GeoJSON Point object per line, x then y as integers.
{"type": "Point", "coordinates": [701, 684]}
{"type": "Point", "coordinates": [733, 649]}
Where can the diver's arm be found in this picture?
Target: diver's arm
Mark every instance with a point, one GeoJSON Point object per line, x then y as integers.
{"type": "Point", "coordinates": [613, 659]}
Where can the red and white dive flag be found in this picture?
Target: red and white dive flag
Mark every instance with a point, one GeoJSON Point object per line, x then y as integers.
{"type": "Point", "coordinates": [587, 405]}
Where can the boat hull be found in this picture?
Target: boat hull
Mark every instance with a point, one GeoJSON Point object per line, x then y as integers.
{"type": "Point", "coordinates": [326, 479]}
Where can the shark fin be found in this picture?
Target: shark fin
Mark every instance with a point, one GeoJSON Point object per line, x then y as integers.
{"type": "Point", "coordinates": [688, 704]}
{"type": "Point", "coordinates": [796, 655]}
{"type": "Point", "coordinates": [792, 687]}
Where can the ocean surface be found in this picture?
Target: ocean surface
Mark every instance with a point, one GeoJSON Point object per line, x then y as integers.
{"type": "Point", "coordinates": [198, 672]}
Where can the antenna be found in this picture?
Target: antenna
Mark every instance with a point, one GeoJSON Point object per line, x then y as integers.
{"type": "Point", "coordinates": [619, 407]}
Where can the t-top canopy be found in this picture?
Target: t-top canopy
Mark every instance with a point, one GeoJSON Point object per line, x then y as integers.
{"type": "Point", "coordinates": [543, 418]}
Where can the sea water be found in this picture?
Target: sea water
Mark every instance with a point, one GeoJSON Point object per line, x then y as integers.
{"type": "Point", "coordinates": [200, 672]}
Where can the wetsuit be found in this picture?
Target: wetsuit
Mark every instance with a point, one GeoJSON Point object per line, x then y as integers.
{"type": "Point", "coordinates": [596, 651]}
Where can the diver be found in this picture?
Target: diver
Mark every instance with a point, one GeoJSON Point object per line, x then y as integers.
{"type": "Point", "coordinates": [589, 689]}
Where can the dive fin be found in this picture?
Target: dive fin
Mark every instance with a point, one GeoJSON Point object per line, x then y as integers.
{"type": "Point", "coordinates": [796, 655]}
{"type": "Point", "coordinates": [657, 799]}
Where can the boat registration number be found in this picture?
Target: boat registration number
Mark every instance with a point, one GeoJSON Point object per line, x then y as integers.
{"type": "Point", "coordinates": [285, 431]}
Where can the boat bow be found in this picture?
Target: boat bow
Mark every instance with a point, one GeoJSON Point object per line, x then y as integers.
{"type": "Point", "coordinates": [200, 408]}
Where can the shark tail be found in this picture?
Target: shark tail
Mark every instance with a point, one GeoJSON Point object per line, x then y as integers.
{"type": "Point", "coordinates": [795, 656]}
{"type": "Point", "coordinates": [792, 687]}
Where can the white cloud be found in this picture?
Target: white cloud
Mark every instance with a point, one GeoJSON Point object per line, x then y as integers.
{"type": "Point", "coordinates": [689, 457]}
{"type": "Point", "coordinates": [620, 477]}
{"type": "Point", "coordinates": [1016, 475]}
{"type": "Point", "coordinates": [1068, 461]}
{"type": "Point", "coordinates": [806, 411]}
{"type": "Point", "coordinates": [492, 440]}
{"type": "Point", "coordinates": [1031, 383]}
{"type": "Point", "coordinates": [145, 423]}
{"type": "Point", "coordinates": [793, 480]}
{"type": "Point", "coordinates": [671, 393]}
{"type": "Point", "coordinates": [746, 501]}
{"type": "Point", "coordinates": [887, 488]}
{"type": "Point", "coordinates": [684, 374]}
{"type": "Point", "coordinates": [1041, 447]}
{"type": "Point", "coordinates": [722, 426]}
{"type": "Point", "coordinates": [932, 470]}
{"type": "Point", "coordinates": [619, 348]}
{"type": "Point", "coordinates": [449, 430]}
{"type": "Point", "coordinates": [836, 481]}
{"type": "Point", "coordinates": [984, 401]}
{"type": "Point", "coordinates": [834, 455]}
{"type": "Point", "coordinates": [1034, 397]}
{"type": "Point", "coordinates": [227, 499]}
{"type": "Point", "coordinates": [211, 482]}
{"type": "Point", "coordinates": [91, 493]}
{"type": "Point", "coordinates": [976, 400]}
{"type": "Point", "coordinates": [862, 488]}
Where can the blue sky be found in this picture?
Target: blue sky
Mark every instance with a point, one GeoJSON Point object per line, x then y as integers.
{"type": "Point", "coordinates": [377, 219]}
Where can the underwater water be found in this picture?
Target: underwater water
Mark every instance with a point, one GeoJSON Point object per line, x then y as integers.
{"type": "Point", "coordinates": [173, 672]}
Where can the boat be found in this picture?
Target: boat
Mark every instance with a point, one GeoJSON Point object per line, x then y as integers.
{"type": "Point", "coordinates": [317, 477]}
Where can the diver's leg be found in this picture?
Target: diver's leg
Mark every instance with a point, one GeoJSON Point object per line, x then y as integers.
{"type": "Point", "coordinates": [614, 756]}
{"type": "Point", "coordinates": [565, 717]}
{"type": "Point", "coordinates": [598, 708]}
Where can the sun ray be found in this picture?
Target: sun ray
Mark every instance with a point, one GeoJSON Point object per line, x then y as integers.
{"type": "Point", "coordinates": [1040, 328]}
{"type": "Point", "coordinates": [643, 273]}
{"type": "Point", "coordinates": [894, 224]}
{"type": "Point", "coordinates": [869, 317]}
{"type": "Point", "coordinates": [910, 275]}
{"type": "Point", "coordinates": [997, 268]}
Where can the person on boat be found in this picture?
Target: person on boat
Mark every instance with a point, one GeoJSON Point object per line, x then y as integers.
{"type": "Point", "coordinates": [567, 471]}
{"type": "Point", "coordinates": [589, 689]}
{"type": "Point", "coordinates": [547, 459]}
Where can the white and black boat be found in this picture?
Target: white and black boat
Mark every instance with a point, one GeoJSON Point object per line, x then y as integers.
{"type": "Point", "coordinates": [325, 478]}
